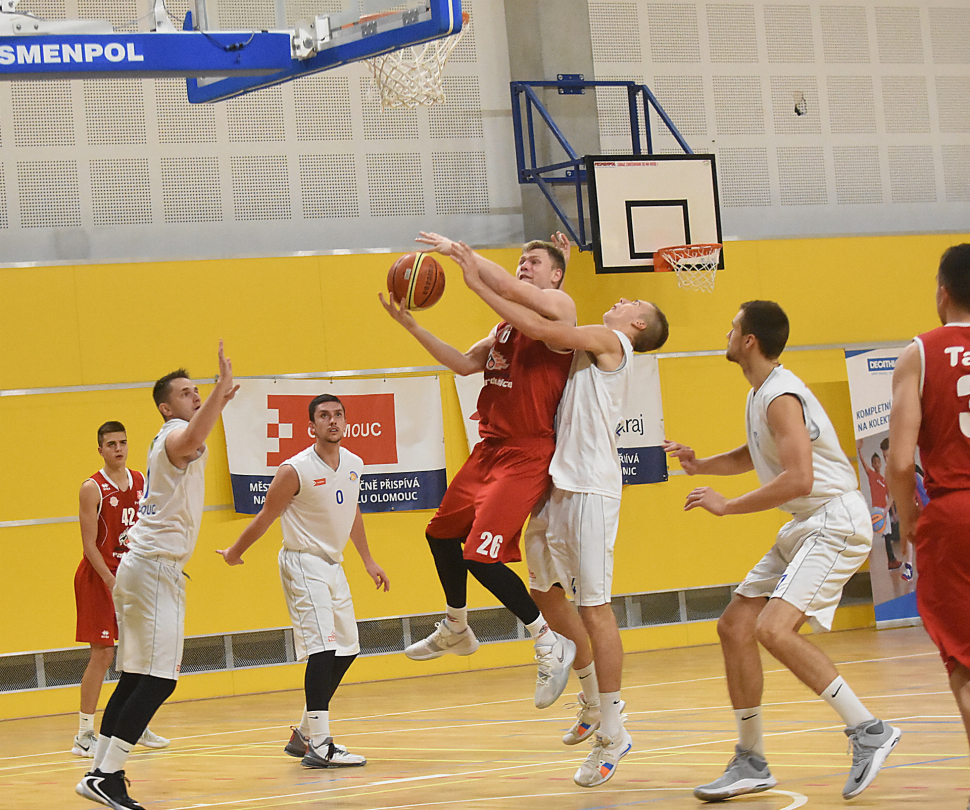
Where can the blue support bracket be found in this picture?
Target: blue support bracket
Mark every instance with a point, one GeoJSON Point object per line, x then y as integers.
{"type": "Point", "coordinates": [526, 107]}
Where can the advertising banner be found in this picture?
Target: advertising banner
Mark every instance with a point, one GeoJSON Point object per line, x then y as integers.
{"type": "Point", "coordinates": [892, 573]}
{"type": "Point", "coordinates": [639, 433]}
{"type": "Point", "coordinates": [395, 425]}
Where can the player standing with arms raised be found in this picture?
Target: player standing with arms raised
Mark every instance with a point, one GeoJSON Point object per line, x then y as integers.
{"type": "Point", "coordinates": [477, 527]}
{"type": "Point", "coordinates": [803, 471]}
{"type": "Point", "coordinates": [931, 392]}
{"type": "Point", "coordinates": [108, 508]}
{"type": "Point", "coordinates": [316, 496]}
{"type": "Point", "coordinates": [570, 539]}
{"type": "Point", "coordinates": [149, 592]}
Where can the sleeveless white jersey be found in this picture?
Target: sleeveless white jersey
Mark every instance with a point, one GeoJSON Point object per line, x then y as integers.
{"type": "Point", "coordinates": [586, 458]}
{"type": "Point", "coordinates": [171, 508]}
{"type": "Point", "coordinates": [833, 474]}
{"type": "Point", "coordinates": [319, 519]}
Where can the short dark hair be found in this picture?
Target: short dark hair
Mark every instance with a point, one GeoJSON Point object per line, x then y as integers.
{"type": "Point", "coordinates": [320, 400]}
{"type": "Point", "coordinates": [555, 254]}
{"type": "Point", "coordinates": [109, 427]}
{"type": "Point", "coordinates": [875, 458]}
{"type": "Point", "coordinates": [954, 274]}
{"type": "Point", "coordinates": [768, 323]}
{"type": "Point", "coordinates": [163, 388]}
{"type": "Point", "coordinates": [654, 334]}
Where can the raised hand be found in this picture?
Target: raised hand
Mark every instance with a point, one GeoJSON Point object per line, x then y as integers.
{"type": "Point", "coordinates": [437, 242]}
{"type": "Point", "coordinates": [561, 241]}
{"type": "Point", "coordinates": [398, 311]}
{"type": "Point", "coordinates": [225, 375]}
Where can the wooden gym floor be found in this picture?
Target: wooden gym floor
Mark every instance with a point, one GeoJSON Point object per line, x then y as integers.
{"type": "Point", "coordinates": [476, 740]}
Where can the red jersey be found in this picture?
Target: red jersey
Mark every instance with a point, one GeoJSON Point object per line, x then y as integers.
{"type": "Point", "coordinates": [117, 513]}
{"type": "Point", "coordinates": [944, 434]}
{"type": "Point", "coordinates": [524, 381]}
{"type": "Point", "coordinates": [877, 488]}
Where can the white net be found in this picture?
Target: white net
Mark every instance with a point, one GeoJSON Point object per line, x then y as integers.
{"type": "Point", "coordinates": [695, 265]}
{"type": "Point", "coordinates": [411, 77]}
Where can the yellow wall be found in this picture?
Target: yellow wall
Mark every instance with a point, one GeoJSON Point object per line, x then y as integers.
{"type": "Point", "coordinates": [94, 325]}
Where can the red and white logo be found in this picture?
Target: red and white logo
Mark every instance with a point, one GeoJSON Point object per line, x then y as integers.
{"type": "Point", "coordinates": [319, 482]}
{"type": "Point", "coordinates": [371, 427]}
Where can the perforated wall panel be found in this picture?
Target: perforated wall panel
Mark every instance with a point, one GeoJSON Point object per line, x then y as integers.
{"type": "Point", "coordinates": [905, 104]}
{"type": "Point", "coordinates": [4, 216]}
{"type": "Point", "coordinates": [381, 124]}
{"type": "Point", "coordinates": [788, 30]}
{"type": "Point", "coordinates": [322, 108]}
{"type": "Point", "coordinates": [43, 114]}
{"type": "Point", "coordinates": [191, 189]}
{"type": "Point", "coordinates": [731, 34]}
{"type": "Point", "coordinates": [613, 110]}
{"type": "Point", "coordinates": [789, 95]}
{"type": "Point", "coordinates": [256, 117]}
{"type": "Point", "coordinates": [845, 35]}
{"type": "Point", "coordinates": [461, 115]}
{"type": "Point", "coordinates": [912, 174]}
{"type": "Point", "coordinates": [114, 112]}
{"type": "Point", "coordinates": [49, 194]}
{"type": "Point", "coordinates": [801, 175]}
{"type": "Point", "coordinates": [120, 191]}
{"type": "Point", "coordinates": [744, 178]}
{"type": "Point", "coordinates": [260, 187]}
{"type": "Point", "coordinates": [953, 101]}
{"type": "Point", "coordinates": [245, 15]}
{"type": "Point", "coordinates": [898, 36]}
{"type": "Point", "coordinates": [48, 9]}
{"type": "Point", "coordinates": [122, 14]}
{"type": "Point", "coordinates": [852, 109]}
{"type": "Point", "coordinates": [948, 35]}
{"type": "Point", "coordinates": [738, 106]}
{"type": "Point", "coordinates": [682, 97]}
{"type": "Point", "coordinates": [956, 173]}
{"type": "Point", "coordinates": [328, 186]}
{"type": "Point", "coordinates": [615, 32]}
{"type": "Point", "coordinates": [674, 33]}
{"type": "Point", "coordinates": [858, 176]}
{"type": "Point", "coordinates": [460, 183]}
{"type": "Point", "coordinates": [181, 122]}
{"type": "Point", "coordinates": [466, 51]}
{"type": "Point", "coordinates": [394, 185]}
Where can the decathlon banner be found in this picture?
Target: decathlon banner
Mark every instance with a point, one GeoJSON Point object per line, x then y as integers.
{"type": "Point", "coordinates": [394, 425]}
{"type": "Point", "coordinates": [639, 433]}
{"type": "Point", "coordinates": [892, 573]}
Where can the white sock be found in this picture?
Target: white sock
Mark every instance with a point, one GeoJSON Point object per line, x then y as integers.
{"type": "Point", "coordinates": [589, 685]}
{"type": "Point", "coordinates": [457, 618]}
{"type": "Point", "coordinates": [610, 721]}
{"type": "Point", "coordinates": [85, 722]}
{"type": "Point", "coordinates": [304, 724]}
{"type": "Point", "coordinates": [841, 698]}
{"type": "Point", "coordinates": [751, 735]}
{"type": "Point", "coordinates": [100, 750]}
{"type": "Point", "coordinates": [541, 633]}
{"type": "Point", "coordinates": [319, 723]}
{"type": "Point", "coordinates": [116, 756]}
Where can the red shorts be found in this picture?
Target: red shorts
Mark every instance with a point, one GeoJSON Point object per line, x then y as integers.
{"type": "Point", "coordinates": [943, 563]}
{"type": "Point", "coordinates": [492, 495]}
{"type": "Point", "coordinates": [96, 622]}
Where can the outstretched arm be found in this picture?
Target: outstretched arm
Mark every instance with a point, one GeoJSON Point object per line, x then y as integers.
{"type": "Point", "coordinates": [905, 419]}
{"type": "Point", "coordinates": [734, 462]}
{"type": "Point", "coordinates": [183, 444]}
{"type": "Point", "coordinates": [553, 304]}
{"type": "Point", "coordinates": [284, 486]}
{"type": "Point", "coordinates": [464, 364]}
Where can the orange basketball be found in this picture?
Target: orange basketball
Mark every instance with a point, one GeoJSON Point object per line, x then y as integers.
{"type": "Point", "coordinates": [417, 280]}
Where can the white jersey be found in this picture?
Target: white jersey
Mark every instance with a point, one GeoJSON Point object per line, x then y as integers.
{"type": "Point", "coordinates": [833, 475]}
{"type": "Point", "coordinates": [586, 458]}
{"type": "Point", "coordinates": [171, 508]}
{"type": "Point", "coordinates": [319, 518]}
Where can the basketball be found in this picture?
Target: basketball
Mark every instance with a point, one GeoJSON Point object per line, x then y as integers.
{"type": "Point", "coordinates": [878, 521]}
{"type": "Point", "coordinates": [417, 280]}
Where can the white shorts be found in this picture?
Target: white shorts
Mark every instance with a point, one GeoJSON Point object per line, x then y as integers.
{"type": "Point", "coordinates": [318, 597]}
{"type": "Point", "coordinates": [149, 597]}
{"type": "Point", "coordinates": [570, 540]}
{"type": "Point", "coordinates": [813, 558]}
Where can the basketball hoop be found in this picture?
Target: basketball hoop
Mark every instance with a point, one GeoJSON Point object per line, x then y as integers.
{"type": "Point", "coordinates": [410, 77]}
{"type": "Point", "coordinates": [695, 265]}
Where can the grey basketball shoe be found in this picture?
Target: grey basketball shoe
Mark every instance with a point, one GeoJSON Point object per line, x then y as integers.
{"type": "Point", "coordinates": [443, 640]}
{"type": "Point", "coordinates": [872, 742]}
{"type": "Point", "coordinates": [745, 773]}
